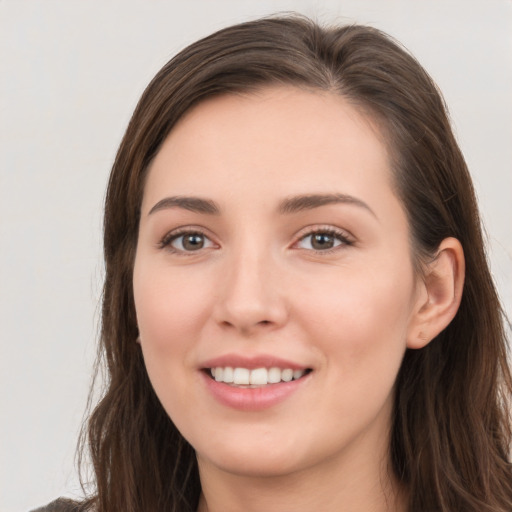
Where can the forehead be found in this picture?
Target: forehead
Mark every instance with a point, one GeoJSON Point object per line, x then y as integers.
{"type": "Point", "coordinates": [278, 140]}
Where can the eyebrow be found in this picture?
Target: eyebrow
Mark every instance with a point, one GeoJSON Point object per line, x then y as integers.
{"type": "Point", "coordinates": [290, 205]}
{"type": "Point", "coordinates": [193, 204]}
{"type": "Point", "coordinates": [308, 202]}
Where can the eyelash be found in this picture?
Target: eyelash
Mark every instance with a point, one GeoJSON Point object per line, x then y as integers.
{"type": "Point", "coordinates": [341, 236]}
{"type": "Point", "coordinates": [169, 238]}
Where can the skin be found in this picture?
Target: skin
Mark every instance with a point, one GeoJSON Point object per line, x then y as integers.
{"type": "Point", "coordinates": [257, 286]}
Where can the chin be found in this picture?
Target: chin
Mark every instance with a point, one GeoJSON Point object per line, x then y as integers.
{"type": "Point", "coordinates": [255, 466]}
{"type": "Point", "coordinates": [252, 459]}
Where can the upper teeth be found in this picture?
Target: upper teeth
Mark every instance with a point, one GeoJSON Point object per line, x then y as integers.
{"type": "Point", "coordinates": [257, 377]}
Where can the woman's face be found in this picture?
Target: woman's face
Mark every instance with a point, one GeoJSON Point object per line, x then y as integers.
{"type": "Point", "coordinates": [272, 247]}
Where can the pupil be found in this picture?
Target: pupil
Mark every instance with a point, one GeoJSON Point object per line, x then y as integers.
{"type": "Point", "coordinates": [193, 242]}
{"type": "Point", "coordinates": [322, 241]}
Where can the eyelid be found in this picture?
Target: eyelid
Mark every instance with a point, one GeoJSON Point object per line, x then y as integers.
{"type": "Point", "coordinates": [166, 241]}
{"type": "Point", "coordinates": [346, 238]}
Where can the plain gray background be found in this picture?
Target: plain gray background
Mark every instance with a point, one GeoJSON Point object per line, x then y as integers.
{"type": "Point", "coordinates": [71, 74]}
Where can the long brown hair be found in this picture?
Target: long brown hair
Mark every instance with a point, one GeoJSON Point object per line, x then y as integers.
{"type": "Point", "coordinates": [451, 427]}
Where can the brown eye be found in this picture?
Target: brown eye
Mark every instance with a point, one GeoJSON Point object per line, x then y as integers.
{"type": "Point", "coordinates": [190, 242]}
{"type": "Point", "coordinates": [322, 241]}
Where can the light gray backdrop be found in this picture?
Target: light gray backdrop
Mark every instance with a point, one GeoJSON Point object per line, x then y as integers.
{"type": "Point", "coordinates": [71, 73]}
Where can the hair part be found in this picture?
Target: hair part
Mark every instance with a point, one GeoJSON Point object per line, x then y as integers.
{"type": "Point", "coordinates": [450, 433]}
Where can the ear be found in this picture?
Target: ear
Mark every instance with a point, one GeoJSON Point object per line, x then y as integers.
{"type": "Point", "coordinates": [439, 295]}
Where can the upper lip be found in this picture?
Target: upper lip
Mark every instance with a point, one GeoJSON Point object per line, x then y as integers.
{"type": "Point", "coordinates": [251, 362]}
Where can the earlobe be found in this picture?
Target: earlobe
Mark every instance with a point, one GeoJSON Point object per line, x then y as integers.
{"type": "Point", "coordinates": [442, 292]}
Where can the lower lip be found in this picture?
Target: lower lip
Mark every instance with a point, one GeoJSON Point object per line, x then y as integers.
{"type": "Point", "coordinates": [253, 399]}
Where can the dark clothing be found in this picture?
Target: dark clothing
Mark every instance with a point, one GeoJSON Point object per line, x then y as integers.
{"type": "Point", "coordinates": [60, 505]}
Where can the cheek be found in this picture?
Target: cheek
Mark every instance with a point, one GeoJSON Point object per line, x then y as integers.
{"type": "Point", "coordinates": [361, 324]}
{"type": "Point", "coordinates": [170, 307]}
{"type": "Point", "coordinates": [170, 311]}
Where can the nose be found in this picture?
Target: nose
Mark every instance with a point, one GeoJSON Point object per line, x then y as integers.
{"type": "Point", "coordinates": [252, 298]}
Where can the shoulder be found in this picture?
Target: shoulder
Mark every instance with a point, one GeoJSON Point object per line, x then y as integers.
{"type": "Point", "coordinates": [60, 505]}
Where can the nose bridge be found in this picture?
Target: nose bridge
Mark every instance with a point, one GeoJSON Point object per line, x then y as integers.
{"type": "Point", "coordinates": [251, 297]}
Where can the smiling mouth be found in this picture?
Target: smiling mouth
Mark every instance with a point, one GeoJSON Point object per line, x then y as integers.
{"type": "Point", "coordinates": [257, 377]}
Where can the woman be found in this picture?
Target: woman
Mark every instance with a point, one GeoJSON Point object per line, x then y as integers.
{"type": "Point", "coordinates": [298, 313]}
